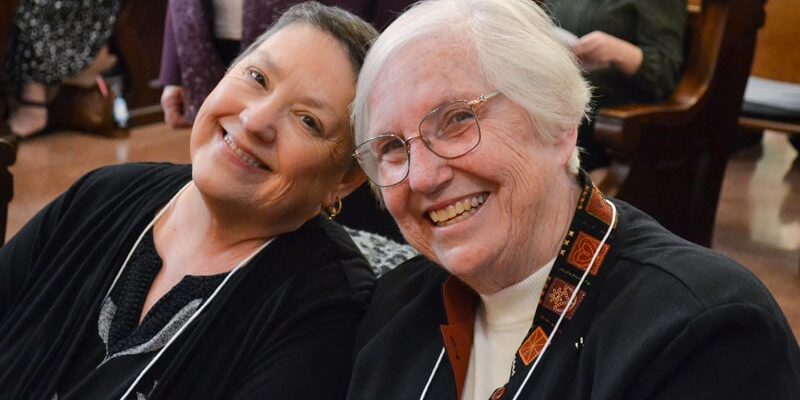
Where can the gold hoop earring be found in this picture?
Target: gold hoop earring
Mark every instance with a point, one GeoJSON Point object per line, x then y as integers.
{"type": "Point", "coordinates": [330, 212]}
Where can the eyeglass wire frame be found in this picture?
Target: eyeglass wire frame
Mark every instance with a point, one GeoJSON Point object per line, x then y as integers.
{"type": "Point", "coordinates": [407, 142]}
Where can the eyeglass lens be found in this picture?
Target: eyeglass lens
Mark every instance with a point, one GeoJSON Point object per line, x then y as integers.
{"type": "Point", "coordinates": [450, 131]}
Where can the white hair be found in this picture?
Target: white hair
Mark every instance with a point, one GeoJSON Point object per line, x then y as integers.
{"type": "Point", "coordinates": [517, 52]}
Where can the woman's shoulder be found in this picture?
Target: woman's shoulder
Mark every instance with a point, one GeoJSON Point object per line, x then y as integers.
{"type": "Point", "coordinates": [125, 174]}
{"type": "Point", "coordinates": [115, 179]}
{"type": "Point", "coordinates": [418, 272]}
{"type": "Point", "coordinates": [646, 249]}
{"type": "Point", "coordinates": [415, 281]}
{"type": "Point", "coordinates": [137, 186]}
{"type": "Point", "coordinates": [319, 257]}
{"type": "Point", "coordinates": [404, 297]}
{"type": "Point", "coordinates": [657, 273]}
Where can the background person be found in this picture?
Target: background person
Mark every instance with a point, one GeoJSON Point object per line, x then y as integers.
{"type": "Point", "coordinates": [212, 33]}
{"type": "Point", "coordinates": [212, 281]}
{"type": "Point", "coordinates": [533, 284]}
{"type": "Point", "coordinates": [630, 50]}
{"type": "Point", "coordinates": [53, 42]}
{"type": "Point", "coordinates": [203, 37]}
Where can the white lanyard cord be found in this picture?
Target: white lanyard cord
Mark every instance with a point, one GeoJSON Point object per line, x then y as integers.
{"type": "Point", "coordinates": [560, 318]}
{"type": "Point", "coordinates": [571, 298]}
{"type": "Point", "coordinates": [147, 228]}
{"type": "Point", "coordinates": [196, 313]}
{"type": "Point", "coordinates": [192, 318]}
{"type": "Point", "coordinates": [430, 378]}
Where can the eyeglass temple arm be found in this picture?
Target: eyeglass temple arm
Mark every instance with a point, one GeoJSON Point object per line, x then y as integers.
{"type": "Point", "coordinates": [483, 98]}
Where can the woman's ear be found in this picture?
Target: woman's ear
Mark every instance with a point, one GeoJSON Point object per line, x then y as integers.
{"type": "Point", "coordinates": [565, 145]}
{"type": "Point", "coordinates": [350, 181]}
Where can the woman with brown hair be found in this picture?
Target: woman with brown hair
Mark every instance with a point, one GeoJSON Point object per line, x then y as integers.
{"type": "Point", "coordinates": [219, 280]}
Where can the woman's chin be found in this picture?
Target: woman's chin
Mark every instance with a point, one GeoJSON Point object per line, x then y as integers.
{"type": "Point", "coordinates": [468, 264]}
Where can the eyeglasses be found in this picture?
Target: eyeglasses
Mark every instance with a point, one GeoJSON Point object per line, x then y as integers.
{"type": "Point", "coordinates": [449, 131]}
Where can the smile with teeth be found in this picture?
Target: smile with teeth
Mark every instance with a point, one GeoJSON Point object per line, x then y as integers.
{"type": "Point", "coordinates": [457, 211]}
{"type": "Point", "coordinates": [240, 153]}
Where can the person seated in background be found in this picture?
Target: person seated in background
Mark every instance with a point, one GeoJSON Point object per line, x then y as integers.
{"type": "Point", "coordinates": [532, 284]}
{"type": "Point", "coordinates": [631, 52]}
{"type": "Point", "coordinates": [218, 280]}
{"type": "Point", "coordinates": [211, 34]}
{"type": "Point", "coordinates": [54, 43]}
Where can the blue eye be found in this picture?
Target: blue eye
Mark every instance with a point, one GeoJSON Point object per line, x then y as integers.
{"type": "Point", "coordinates": [257, 76]}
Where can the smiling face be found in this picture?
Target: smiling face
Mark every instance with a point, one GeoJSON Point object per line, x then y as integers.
{"type": "Point", "coordinates": [272, 141]}
{"type": "Point", "coordinates": [494, 215]}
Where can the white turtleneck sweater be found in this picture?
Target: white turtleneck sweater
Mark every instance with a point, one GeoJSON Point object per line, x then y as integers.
{"type": "Point", "coordinates": [501, 322]}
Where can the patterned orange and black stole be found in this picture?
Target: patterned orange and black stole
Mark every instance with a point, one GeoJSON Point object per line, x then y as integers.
{"type": "Point", "coordinates": [589, 225]}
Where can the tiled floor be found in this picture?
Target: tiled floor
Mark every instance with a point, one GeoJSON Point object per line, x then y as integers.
{"type": "Point", "coordinates": [758, 222]}
{"type": "Point", "coordinates": [48, 165]}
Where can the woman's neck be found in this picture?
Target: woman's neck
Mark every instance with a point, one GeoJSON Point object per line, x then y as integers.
{"type": "Point", "coordinates": [200, 239]}
{"type": "Point", "coordinates": [564, 205]}
{"type": "Point", "coordinates": [545, 242]}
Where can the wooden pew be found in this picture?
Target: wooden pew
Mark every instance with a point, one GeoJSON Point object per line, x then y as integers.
{"type": "Point", "coordinates": [669, 158]}
{"type": "Point", "coordinates": [137, 40]}
{"type": "Point", "coordinates": [777, 57]}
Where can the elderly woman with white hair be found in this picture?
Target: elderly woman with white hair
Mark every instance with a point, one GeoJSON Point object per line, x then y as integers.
{"type": "Point", "coordinates": [532, 284]}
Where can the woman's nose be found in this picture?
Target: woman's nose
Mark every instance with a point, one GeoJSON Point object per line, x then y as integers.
{"type": "Point", "coordinates": [260, 118]}
{"type": "Point", "coordinates": [427, 172]}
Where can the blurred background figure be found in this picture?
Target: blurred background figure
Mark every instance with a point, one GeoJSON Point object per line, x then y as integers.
{"type": "Point", "coordinates": [631, 52]}
{"type": "Point", "coordinates": [52, 43]}
{"type": "Point", "coordinates": [202, 37]}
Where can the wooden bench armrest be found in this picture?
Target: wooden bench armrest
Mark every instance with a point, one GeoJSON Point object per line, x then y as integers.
{"type": "Point", "coordinates": [619, 128]}
{"type": "Point", "coordinates": [674, 152]}
{"type": "Point", "coordinates": [678, 109]}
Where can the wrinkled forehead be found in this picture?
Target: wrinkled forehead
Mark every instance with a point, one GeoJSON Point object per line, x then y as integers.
{"type": "Point", "coordinates": [419, 77]}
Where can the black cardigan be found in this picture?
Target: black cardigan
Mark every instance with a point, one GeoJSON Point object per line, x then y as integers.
{"type": "Point", "coordinates": [282, 328]}
{"type": "Point", "coordinates": [665, 319]}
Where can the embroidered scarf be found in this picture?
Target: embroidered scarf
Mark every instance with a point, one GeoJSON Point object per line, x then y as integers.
{"type": "Point", "coordinates": [591, 221]}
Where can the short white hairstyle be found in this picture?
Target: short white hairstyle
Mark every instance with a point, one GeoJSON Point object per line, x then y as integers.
{"type": "Point", "coordinates": [517, 51]}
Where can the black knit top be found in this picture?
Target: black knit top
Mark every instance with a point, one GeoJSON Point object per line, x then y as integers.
{"type": "Point", "coordinates": [281, 327]}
